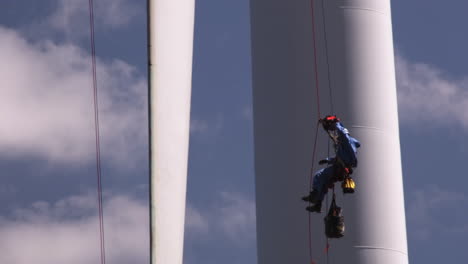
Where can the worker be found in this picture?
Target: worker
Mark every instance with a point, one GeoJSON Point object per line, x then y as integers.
{"type": "Point", "coordinates": [340, 166]}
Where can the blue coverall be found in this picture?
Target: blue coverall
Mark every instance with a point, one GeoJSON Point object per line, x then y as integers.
{"type": "Point", "coordinates": [321, 179]}
{"type": "Point", "coordinates": [346, 148]}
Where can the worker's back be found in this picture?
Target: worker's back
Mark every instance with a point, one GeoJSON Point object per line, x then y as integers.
{"type": "Point", "coordinates": [346, 146]}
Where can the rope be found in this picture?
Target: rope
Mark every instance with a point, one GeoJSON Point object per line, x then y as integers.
{"type": "Point", "coordinates": [315, 58]}
{"type": "Point", "coordinates": [310, 188]}
{"type": "Point", "coordinates": [318, 116]}
{"type": "Point", "coordinates": [326, 55]}
{"type": "Point", "coordinates": [330, 89]}
{"type": "Point", "coordinates": [313, 157]}
{"type": "Point", "coordinates": [318, 113]}
{"type": "Point", "coordinates": [327, 240]}
{"type": "Point", "coordinates": [97, 134]}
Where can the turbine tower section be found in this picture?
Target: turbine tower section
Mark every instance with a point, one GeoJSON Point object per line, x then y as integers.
{"type": "Point", "coordinates": [170, 39]}
{"type": "Point", "coordinates": [355, 75]}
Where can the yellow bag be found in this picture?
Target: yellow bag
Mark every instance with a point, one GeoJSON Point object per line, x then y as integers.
{"type": "Point", "coordinates": [348, 185]}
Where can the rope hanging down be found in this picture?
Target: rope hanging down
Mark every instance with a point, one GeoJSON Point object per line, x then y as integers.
{"type": "Point", "coordinates": [327, 243]}
{"type": "Point", "coordinates": [316, 77]}
{"type": "Point", "coordinates": [326, 55]}
{"type": "Point", "coordinates": [318, 114]}
{"type": "Point", "coordinates": [315, 58]}
{"type": "Point", "coordinates": [310, 188]}
{"type": "Point", "coordinates": [97, 134]}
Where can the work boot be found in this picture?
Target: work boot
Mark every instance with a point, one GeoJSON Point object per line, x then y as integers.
{"type": "Point", "coordinates": [315, 208]}
{"type": "Point", "coordinates": [312, 197]}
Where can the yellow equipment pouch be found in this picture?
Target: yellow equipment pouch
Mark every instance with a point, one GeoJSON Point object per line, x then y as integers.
{"type": "Point", "coordinates": [348, 185]}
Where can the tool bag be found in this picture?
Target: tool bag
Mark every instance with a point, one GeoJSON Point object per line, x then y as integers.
{"type": "Point", "coordinates": [334, 221]}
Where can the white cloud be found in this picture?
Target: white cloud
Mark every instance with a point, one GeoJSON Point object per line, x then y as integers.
{"type": "Point", "coordinates": [199, 126]}
{"type": "Point", "coordinates": [68, 232]}
{"type": "Point", "coordinates": [195, 221]}
{"type": "Point", "coordinates": [429, 208]}
{"type": "Point", "coordinates": [72, 16]}
{"type": "Point", "coordinates": [46, 103]}
{"type": "Point", "coordinates": [237, 215]}
{"type": "Point", "coordinates": [206, 126]}
{"type": "Point", "coordinates": [232, 217]}
{"type": "Point", "coordinates": [426, 94]}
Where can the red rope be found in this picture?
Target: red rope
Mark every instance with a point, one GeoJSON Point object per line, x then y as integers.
{"type": "Point", "coordinates": [97, 134]}
{"type": "Point", "coordinates": [319, 115]}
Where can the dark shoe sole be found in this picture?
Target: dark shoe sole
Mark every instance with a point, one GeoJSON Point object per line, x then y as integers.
{"type": "Point", "coordinates": [314, 209]}
{"type": "Point", "coordinates": [310, 198]}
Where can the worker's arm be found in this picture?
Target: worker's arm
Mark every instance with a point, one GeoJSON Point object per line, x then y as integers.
{"type": "Point", "coordinates": [327, 161]}
{"type": "Point", "coordinates": [341, 129]}
{"type": "Point", "coordinates": [355, 142]}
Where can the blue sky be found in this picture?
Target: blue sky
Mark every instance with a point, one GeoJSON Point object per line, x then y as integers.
{"type": "Point", "coordinates": [46, 134]}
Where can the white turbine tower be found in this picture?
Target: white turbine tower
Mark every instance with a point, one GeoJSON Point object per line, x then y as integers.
{"type": "Point", "coordinates": [170, 38]}
{"type": "Point", "coordinates": [359, 46]}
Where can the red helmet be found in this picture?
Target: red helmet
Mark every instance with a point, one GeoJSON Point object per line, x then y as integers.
{"type": "Point", "coordinates": [328, 121]}
{"type": "Point", "coordinates": [331, 118]}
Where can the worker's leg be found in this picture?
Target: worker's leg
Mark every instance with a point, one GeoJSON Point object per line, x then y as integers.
{"type": "Point", "coordinates": [320, 188]}
{"type": "Point", "coordinates": [319, 185]}
{"type": "Point", "coordinates": [321, 180]}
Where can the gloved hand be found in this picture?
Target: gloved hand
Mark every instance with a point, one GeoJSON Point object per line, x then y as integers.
{"type": "Point", "coordinates": [324, 161]}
